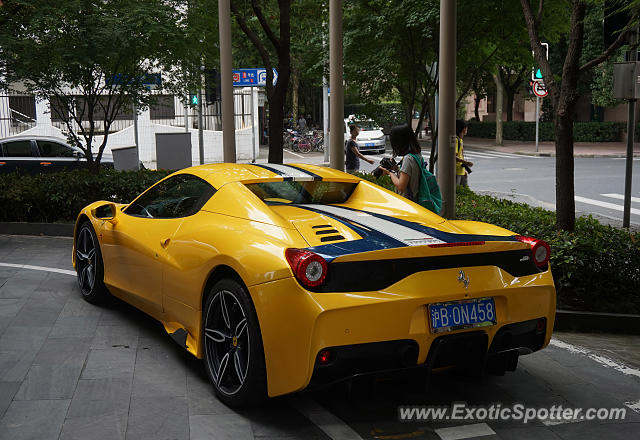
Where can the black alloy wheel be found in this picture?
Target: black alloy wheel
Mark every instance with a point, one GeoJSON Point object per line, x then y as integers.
{"type": "Point", "coordinates": [233, 353]}
{"type": "Point", "coordinates": [89, 267]}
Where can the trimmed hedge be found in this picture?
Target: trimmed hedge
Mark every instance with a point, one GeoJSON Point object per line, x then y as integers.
{"type": "Point", "coordinates": [595, 268]}
{"type": "Point", "coordinates": [58, 197]}
{"type": "Point", "coordinates": [526, 131]}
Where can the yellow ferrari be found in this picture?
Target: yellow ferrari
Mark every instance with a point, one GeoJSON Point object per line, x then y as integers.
{"type": "Point", "coordinates": [282, 277]}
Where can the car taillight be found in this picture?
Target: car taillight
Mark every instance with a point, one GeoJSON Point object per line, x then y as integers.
{"type": "Point", "coordinates": [309, 268]}
{"type": "Point", "coordinates": [540, 249]}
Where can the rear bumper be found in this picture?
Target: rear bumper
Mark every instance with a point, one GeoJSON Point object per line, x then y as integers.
{"type": "Point", "coordinates": [376, 331]}
{"type": "Point", "coordinates": [378, 144]}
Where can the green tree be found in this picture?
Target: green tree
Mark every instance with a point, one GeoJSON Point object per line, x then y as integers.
{"type": "Point", "coordinates": [268, 27]}
{"type": "Point", "coordinates": [564, 91]}
{"type": "Point", "coordinates": [89, 57]}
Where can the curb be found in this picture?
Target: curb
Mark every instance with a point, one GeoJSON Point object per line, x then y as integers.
{"type": "Point", "coordinates": [593, 322]}
{"type": "Point", "coordinates": [43, 229]}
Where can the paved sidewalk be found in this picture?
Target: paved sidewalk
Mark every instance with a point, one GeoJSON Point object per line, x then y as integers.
{"type": "Point", "coordinates": [580, 149]}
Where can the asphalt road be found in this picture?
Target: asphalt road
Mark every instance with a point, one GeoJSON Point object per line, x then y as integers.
{"type": "Point", "coordinates": [71, 370]}
{"type": "Point", "coordinates": [599, 182]}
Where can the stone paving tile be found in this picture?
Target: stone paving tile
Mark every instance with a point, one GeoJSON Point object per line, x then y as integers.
{"type": "Point", "coordinates": [76, 307]}
{"type": "Point", "coordinates": [105, 427]}
{"type": "Point", "coordinates": [41, 309]}
{"type": "Point", "coordinates": [115, 336]}
{"type": "Point", "coordinates": [16, 287]}
{"type": "Point", "coordinates": [109, 363]}
{"type": "Point", "coordinates": [18, 347]}
{"type": "Point", "coordinates": [33, 419]}
{"type": "Point", "coordinates": [158, 419]}
{"type": "Point", "coordinates": [202, 399]}
{"type": "Point", "coordinates": [7, 391]}
{"type": "Point", "coordinates": [159, 381]}
{"type": "Point", "coordinates": [97, 397]}
{"type": "Point", "coordinates": [595, 431]}
{"type": "Point", "coordinates": [11, 306]}
{"type": "Point", "coordinates": [220, 427]}
{"type": "Point", "coordinates": [74, 327]}
{"type": "Point", "coordinates": [55, 370]}
{"type": "Point", "coordinates": [526, 433]}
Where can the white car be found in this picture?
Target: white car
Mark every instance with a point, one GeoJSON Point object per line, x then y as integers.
{"type": "Point", "coordinates": [371, 137]}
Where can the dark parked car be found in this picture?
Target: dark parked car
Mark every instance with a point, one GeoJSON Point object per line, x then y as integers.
{"type": "Point", "coordinates": [39, 154]}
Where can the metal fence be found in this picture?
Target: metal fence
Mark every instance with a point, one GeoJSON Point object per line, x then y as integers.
{"type": "Point", "coordinates": [17, 114]}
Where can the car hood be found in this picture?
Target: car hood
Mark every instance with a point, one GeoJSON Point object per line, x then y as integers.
{"type": "Point", "coordinates": [370, 134]}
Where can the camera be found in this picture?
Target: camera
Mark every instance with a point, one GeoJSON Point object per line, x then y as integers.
{"type": "Point", "coordinates": [467, 167]}
{"type": "Point", "coordinates": [386, 162]}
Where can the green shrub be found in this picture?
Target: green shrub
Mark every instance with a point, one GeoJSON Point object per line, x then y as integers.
{"type": "Point", "coordinates": [58, 197]}
{"type": "Point", "coordinates": [526, 131]}
{"type": "Point", "coordinates": [595, 268]}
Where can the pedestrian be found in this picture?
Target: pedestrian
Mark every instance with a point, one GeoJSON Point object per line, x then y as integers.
{"type": "Point", "coordinates": [302, 123]}
{"type": "Point", "coordinates": [353, 154]}
{"type": "Point", "coordinates": [412, 181]}
{"type": "Point", "coordinates": [463, 167]}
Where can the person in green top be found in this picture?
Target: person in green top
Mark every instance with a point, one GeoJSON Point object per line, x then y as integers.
{"type": "Point", "coordinates": [412, 181]}
{"type": "Point", "coordinates": [462, 165]}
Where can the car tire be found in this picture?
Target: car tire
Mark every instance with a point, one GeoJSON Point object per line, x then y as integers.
{"type": "Point", "coordinates": [232, 342]}
{"type": "Point", "coordinates": [89, 265]}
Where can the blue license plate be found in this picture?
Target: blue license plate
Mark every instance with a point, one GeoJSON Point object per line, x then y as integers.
{"type": "Point", "coordinates": [455, 315]}
{"type": "Point", "coordinates": [368, 144]}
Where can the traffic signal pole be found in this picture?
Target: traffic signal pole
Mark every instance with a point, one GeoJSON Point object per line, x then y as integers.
{"type": "Point", "coordinates": [447, 110]}
{"type": "Point", "coordinates": [226, 79]}
{"type": "Point", "coordinates": [626, 217]}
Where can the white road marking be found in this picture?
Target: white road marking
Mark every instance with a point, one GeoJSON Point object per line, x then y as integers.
{"type": "Point", "coordinates": [605, 204]}
{"type": "Point", "coordinates": [596, 357]}
{"type": "Point", "coordinates": [464, 431]}
{"type": "Point", "coordinates": [330, 424]}
{"type": "Point", "coordinates": [295, 154]}
{"type": "Point", "coordinates": [480, 155]}
{"type": "Point", "coordinates": [634, 406]}
{"type": "Point", "coordinates": [46, 269]}
{"type": "Point", "coordinates": [621, 197]}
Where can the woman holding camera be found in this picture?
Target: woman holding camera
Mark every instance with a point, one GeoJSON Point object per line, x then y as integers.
{"type": "Point", "coordinates": [407, 179]}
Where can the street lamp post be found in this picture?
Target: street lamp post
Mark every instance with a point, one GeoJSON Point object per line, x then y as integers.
{"type": "Point", "coordinates": [226, 79]}
{"type": "Point", "coordinates": [447, 110]}
{"type": "Point", "coordinates": [336, 112]}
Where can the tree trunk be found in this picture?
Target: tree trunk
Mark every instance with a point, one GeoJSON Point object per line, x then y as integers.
{"type": "Point", "coordinates": [565, 195]}
{"type": "Point", "coordinates": [510, 97]}
{"type": "Point", "coordinates": [476, 106]}
{"type": "Point", "coordinates": [276, 116]}
{"type": "Point", "coordinates": [499, 99]}
{"type": "Point", "coordinates": [295, 86]}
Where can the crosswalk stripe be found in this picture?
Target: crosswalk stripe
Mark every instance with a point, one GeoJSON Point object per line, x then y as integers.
{"type": "Point", "coordinates": [621, 197]}
{"type": "Point", "coordinates": [484, 155]}
{"type": "Point", "coordinates": [605, 204]}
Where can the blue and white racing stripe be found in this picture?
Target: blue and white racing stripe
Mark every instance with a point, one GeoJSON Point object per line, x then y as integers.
{"type": "Point", "coordinates": [385, 232]}
{"type": "Point", "coordinates": [402, 233]}
{"type": "Point", "coordinates": [290, 172]}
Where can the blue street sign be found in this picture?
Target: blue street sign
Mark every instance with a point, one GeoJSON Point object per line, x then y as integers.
{"type": "Point", "coordinates": [252, 77]}
{"type": "Point", "coordinates": [149, 80]}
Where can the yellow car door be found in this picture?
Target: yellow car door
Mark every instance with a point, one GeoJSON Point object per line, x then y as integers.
{"type": "Point", "coordinates": [135, 247]}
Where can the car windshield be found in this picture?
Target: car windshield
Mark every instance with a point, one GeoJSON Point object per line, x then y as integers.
{"type": "Point", "coordinates": [317, 192]}
{"type": "Point", "coordinates": [367, 125]}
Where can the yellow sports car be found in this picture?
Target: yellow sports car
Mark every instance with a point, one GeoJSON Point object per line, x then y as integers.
{"type": "Point", "coordinates": [282, 277]}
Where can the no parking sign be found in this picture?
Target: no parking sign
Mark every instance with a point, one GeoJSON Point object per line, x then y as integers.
{"type": "Point", "coordinates": [539, 89]}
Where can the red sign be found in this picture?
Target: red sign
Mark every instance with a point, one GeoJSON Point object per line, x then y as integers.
{"type": "Point", "coordinates": [539, 89]}
{"type": "Point", "coordinates": [236, 77]}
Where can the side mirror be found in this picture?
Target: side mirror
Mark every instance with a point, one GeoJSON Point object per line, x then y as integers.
{"type": "Point", "coordinates": [107, 212]}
